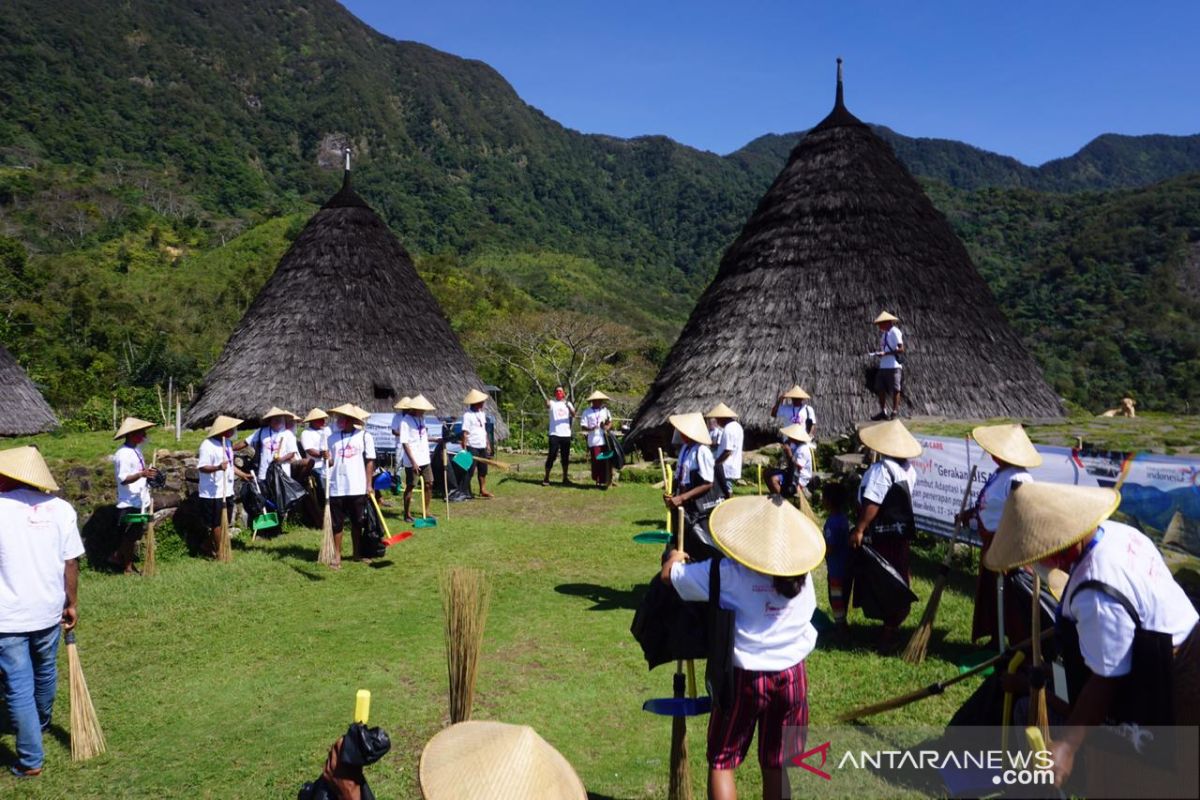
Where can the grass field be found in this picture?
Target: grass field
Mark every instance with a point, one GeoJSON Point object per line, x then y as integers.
{"type": "Point", "coordinates": [216, 680]}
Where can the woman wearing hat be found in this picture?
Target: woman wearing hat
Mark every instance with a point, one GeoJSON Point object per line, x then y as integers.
{"type": "Point", "coordinates": [792, 408]}
{"type": "Point", "coordinates": [695, 489]}
{"type": "Point", "coordinates": [475, 436]}
{"type": "Point", "coordinates": [891, 356]}
{"type": "Point", "coordinates": [794, 478]}
{"type": "Point", "coordinates": [885, 512]}
{"type": "Point", "coordinates": [351, 452]}
{"type": "Point", "coordinates": [728, 456]}
{"type": "Point", "coordinates": [414, 444]}
{"type": "Point", "coordinates": [217, 472]}
{"type": "Point", "coordinates": [1127, 631]}
{"type": "Point", "coordinates": [131, 471]}
{"type": "Point", "coordinates": [771, 548]}
{"type": "Point", "coordinates": [596, 422]}
{"type": "Point", "coordinates": [1015, 455]}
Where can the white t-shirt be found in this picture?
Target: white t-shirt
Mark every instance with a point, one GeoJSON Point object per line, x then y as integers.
{"type": "Point", "coordinates": [791, 415]}
{"type": "Point", "coordinates": [694, 457]}
{"type": "Point", "coordinates": [560, 417]}
{"type": "Point", "coordinates": [881, 475]}
{"type": "Point", "coordinates": [128, 461]}
{"type": "Point", "coordinates": [314, 439]}
{"type": "Point", "coordinates": [771, 632]}
{"type": "Point", "coordinates": [1129, 562]}
{"type": "Point", "coordinates": [592, 421]}
{"type": "Point", "coordinates": [731, 440]}
{"type": "Point", "coordinates": [348, 457]}
{"type": "Point", "coordinates": [889, 341]}
{"type": "Point", "coordinates": [995, 492]}
{"type": "Point", "coordinates": [474, 425]}
{"type": "Point", "coordinates": [214, 452]}
{"type": "Point", "coordinates": [414, 434]}
{"type": "Point", "coordinates": [803, 458]}
{"type": "Point", "coordinates": [273, 445]}
{"type": "Point", "coordinates": [39, 533]}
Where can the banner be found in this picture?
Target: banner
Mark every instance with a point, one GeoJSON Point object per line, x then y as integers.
{"type": "Point", "coordinates": [1159, 494]}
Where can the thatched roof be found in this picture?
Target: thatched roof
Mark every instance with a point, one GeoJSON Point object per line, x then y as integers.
{"type": "Point", "coordinates": [344, 318]}
{"type": "Point", "coordinates": [843, 233]}
{"type": "Point", "coordinates": [23, 410]}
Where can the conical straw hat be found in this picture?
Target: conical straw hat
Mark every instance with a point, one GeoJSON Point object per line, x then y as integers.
{"type": "Point", "coordinates": [315, 414]}
{"type": "Point", "coordinates": [419, 403]}
{"type": "Point", "coordinates": [890, 438]}
{"type": "Point", "coordinates": [222, 424]}
{"type": "Point", "coordinates": [692, 426]}
{"type": "Point", "coordinates": [403, 403]}
{"type": "Point", "coordinates": [480, 760]}
{"type": "Point", "coordinates": [1043, 518]}
{"type": "Point", "coordinates": [350, 410]}
{"type": "Point", "coordinates": [276, 411]}
{"type": "Point", "coordinates": [25, 464]}
{"type": "Point", "coordinates": [132, 425]}
{"type": "Point", "coordinates": [768, 535]}
{"type": "Point", "coordinates": [474, 396]}
{"type": "Point", "coordinates": [796, 393]}
{"type": "Point", "coordinates": [721, 411]}
{"type": "Point", "coordinates": [796, 433]}
{"type": "Point", "coordinates": [1009, 443]}
{"type": "Point", "coordinates": [886, 317]}
{"type": "Point", "coordinates": [597, 395]}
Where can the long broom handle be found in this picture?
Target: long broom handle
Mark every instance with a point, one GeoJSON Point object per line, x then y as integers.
{"type": "Point", "coordinates": [962, 507]}
{"type": "Point", "coordinates": [446, 480]}
{"type": "Point", "coordinates": [935, 688]}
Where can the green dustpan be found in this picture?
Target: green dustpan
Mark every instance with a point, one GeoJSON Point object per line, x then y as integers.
{"type": "Point", "coordinates": [607, 454]}
{"type": "Point", "coordinates": [137, 519]}
{"type": "Point", "coordinates": [268, 519]}
{"type": "Point", "coordinates": [975, 659]}
{"type": "Point", "coordinates": [425, 522]}
{"type": "Point", "coordinates": [464, 460]}
{"type": "Point", "coordinates": [653, 537]}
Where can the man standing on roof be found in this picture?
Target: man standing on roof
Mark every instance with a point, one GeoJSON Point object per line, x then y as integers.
{"type": "Point", "coordinates": [727, 459]}
{"type": "Point", "coordinates": [561, 413]}
{"type": "Point", "coordinates": [39, 574]}
{"type": "Point", "coordinates": [475, 436]}
{"type": "Point", "coordinates": [351, 452]}
{"type": "Point", "coordinates": [891, 365]}
{"type": "Point", "coordinates": [133, 491]}
{"type": "Point", "coordinates": [596, 422]}
{"type": "Point", "coordinates": [792, 408]}
{"type": "Point", "coordinates": [414, 439]}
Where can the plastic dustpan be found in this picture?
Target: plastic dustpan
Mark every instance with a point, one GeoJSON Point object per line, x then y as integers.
{"type": "Point", "coordinates": [607, 454]}
{"type": "Point", "coordinates": [464, 460]}
{"type": "Point", "coordinates": [975, 659]}
{"type": "Point", "coordinates": [396, 538]}
{"type": "Point", "coordinates": [678, 706]}
{"type": "Point", "coordinates": [653, 537]}
{"type": "Point", "coordinates": [425, 522]}
{"type": "Point", "coordinates": [268, 519]}
{"type": "Point", "coordinates": [137, 519]}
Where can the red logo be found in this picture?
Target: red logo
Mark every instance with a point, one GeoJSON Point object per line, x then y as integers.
{"type": "Point", "coordinates": [799, 760]}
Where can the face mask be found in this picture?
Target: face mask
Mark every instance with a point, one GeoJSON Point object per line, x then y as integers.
{"type": "Point", "coordinates": [559, 394]}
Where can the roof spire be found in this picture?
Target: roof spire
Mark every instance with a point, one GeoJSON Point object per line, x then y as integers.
{"type": "Point", "coordinates": [346, 166]}
{"type": "Point", "coordinates": [840, 102]}
{"type": "Point", "coordinates": [840, 115]}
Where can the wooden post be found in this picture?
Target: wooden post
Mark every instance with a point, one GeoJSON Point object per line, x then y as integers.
{"type": "Point", "coordinates": [178, 418]}
{"type": "Point", "coordinates": [114, 413]}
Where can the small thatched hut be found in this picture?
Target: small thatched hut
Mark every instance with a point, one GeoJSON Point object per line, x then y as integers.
{"type": "Point", "coordinates": [344, 318]}
{"type": "Point", "coordinates": [23, 410]}
{"type": "Point", "coordinates": [843, 233]}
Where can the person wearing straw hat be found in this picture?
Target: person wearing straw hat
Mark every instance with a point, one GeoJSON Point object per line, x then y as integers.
{"type": "Point", "coordinates": [39, 576]}
{"type": "Point", "coordinates": [770, 548]}
{"type": "Point", "coordinates": [562, 411]}
{"type": "Point", "coordinates": [475, 436]}
{"type": "Point", "coordinates": [414, 439]}
{"type": "Point", "coordinates": [1014, 455]}
{"type": "Point", "coordinates": [797, 449]}
{"type": "Point", "coordinates": [351, 453]}
{"type": "Point", "coordinates": [272, 442]}
{"type": "Point", "coordinates": [484, 760]}
{"type": "Point", "coordinates": [793, 408]}
{"type": "Point", "coordinates": [312, 442]}
{"type": "Point", "coordinates": [217, 472]}
{"type": "Point", "coordinates": [1127, 631]}
{"type": "Point", "coordinates": [727, 458]}
{"type": "Point", "coordinates": [596, 422]}
{"type": "Point", "coordinates": [132, 474]}
{"type": "Point", "coordinates": [695, 489]}
{"type": "Point", "coordinates": [888, 384]}
{"type": "Point", "coordinates": [885, 515]}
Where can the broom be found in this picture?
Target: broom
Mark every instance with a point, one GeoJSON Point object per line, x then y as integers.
{"type": "Point", "coordinates": [446, 481]}
{"type": "Point", "coordinates": [149, 563]}
{"type": "Point", "coordinates": [328, 552]}
{"type": "Point", "coordinates": [87, 740]}
{"type": "Point", "coordinates": [465, 604]}
{"type": "Point", "coordinates": [1038, 717]}
{"type": "Point", "coordinates": [224, 546]}
{"type": "Point", "coordinates": [918, 645]}
{"type": "Point", "coordinates": [680, 787]}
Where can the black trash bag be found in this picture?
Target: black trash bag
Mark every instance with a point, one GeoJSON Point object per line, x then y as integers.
{"type": "Point", "coordinates": [879, 590]}
{"type": "Point", "coordinates": [372, 545]}
{"type": "Point", "coordinates": [611, 445]}
{"type": "Point", "coordinates": [343, 776]}
{"type": "Point", "coordinates": [252, 499]}
{"type": "Point", "coordinates": [282, 489]}
{"type": "Point", "coordinates": [669, 628]}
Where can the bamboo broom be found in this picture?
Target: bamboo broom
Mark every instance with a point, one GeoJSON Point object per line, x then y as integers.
{"type": "Point", "coordinates": [328, 554]}
{"type": "Point", "coordinates": [149, 562]}
{"type": "Point", "coordinates": [446, 480]}
{"type": "Point", "coordinates": [918, 645]}
{"type": "Point", "coordinates": [87, 739]}
{"type": "Point", "coordinates": [465, 598]}
{"type": "Point", "coordinates": [1038, 716]}
{"type": "Point", "coordinates": [224, 546]}
{"type": "Point", "coordinates": [680, 787]}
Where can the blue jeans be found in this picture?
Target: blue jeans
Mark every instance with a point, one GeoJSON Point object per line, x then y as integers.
{"type": "Point", "coordinates": [29, 664]}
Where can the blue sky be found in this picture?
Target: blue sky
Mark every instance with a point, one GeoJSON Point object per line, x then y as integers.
{"type": "Point", "coordinates": [1034, 80]}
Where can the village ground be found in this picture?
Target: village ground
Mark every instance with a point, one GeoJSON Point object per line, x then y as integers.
{"type": "Point", "coordinates": [231, 680]}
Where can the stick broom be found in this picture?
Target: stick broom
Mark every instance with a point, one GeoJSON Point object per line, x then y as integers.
{"type": "Point", "coordinates": [149, 562]}
{"type": "Point", "coordinates": [680, 787]}
{"type": "Point", "coordinates": [328, 554]}
{"type": "Point", "coordinates": [87, 739]}
{"type": "Point", "coordinates": [224, 546]}
{"type": "Point", "coordinates": [465, 596]}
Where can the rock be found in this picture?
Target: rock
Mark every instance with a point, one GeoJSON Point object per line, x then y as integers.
{"type": "Point", "coordinates": [167, 499]}
{"type": "Point", "coordinates": [191, 475]}
{"type": "Point", "coordinates": [78, 472]}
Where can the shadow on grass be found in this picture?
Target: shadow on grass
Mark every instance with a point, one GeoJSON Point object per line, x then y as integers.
{"type": "Point", "coordinates": [604, 598]}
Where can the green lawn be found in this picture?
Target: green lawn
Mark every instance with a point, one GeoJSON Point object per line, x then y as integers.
{"type": "Point", "coordinates": [220, 681]}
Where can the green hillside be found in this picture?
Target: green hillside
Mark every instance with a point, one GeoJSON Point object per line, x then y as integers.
{"type": "Point", "coordinates": [156, 159]}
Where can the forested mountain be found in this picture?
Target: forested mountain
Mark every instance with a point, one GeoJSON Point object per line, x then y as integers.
{"type": "Point", "coordinates": [156, 157]}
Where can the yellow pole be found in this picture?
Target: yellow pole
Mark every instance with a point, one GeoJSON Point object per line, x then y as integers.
{"type": "Point", "coordinates": [362, 706]}
{"type": "Point", "coordinates": [760, 478]}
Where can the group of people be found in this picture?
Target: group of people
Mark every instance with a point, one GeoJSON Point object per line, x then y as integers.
{"type": "Point", "coordinates": [596, 423]}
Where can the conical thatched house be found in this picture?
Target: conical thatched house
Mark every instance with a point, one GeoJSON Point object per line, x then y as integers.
{"type": "Point", "coordinates": [344, 318]}
{"type": "Point", "coordinates": [843, 233]}
{"type": "Point", "coordinates": [23, 410]}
